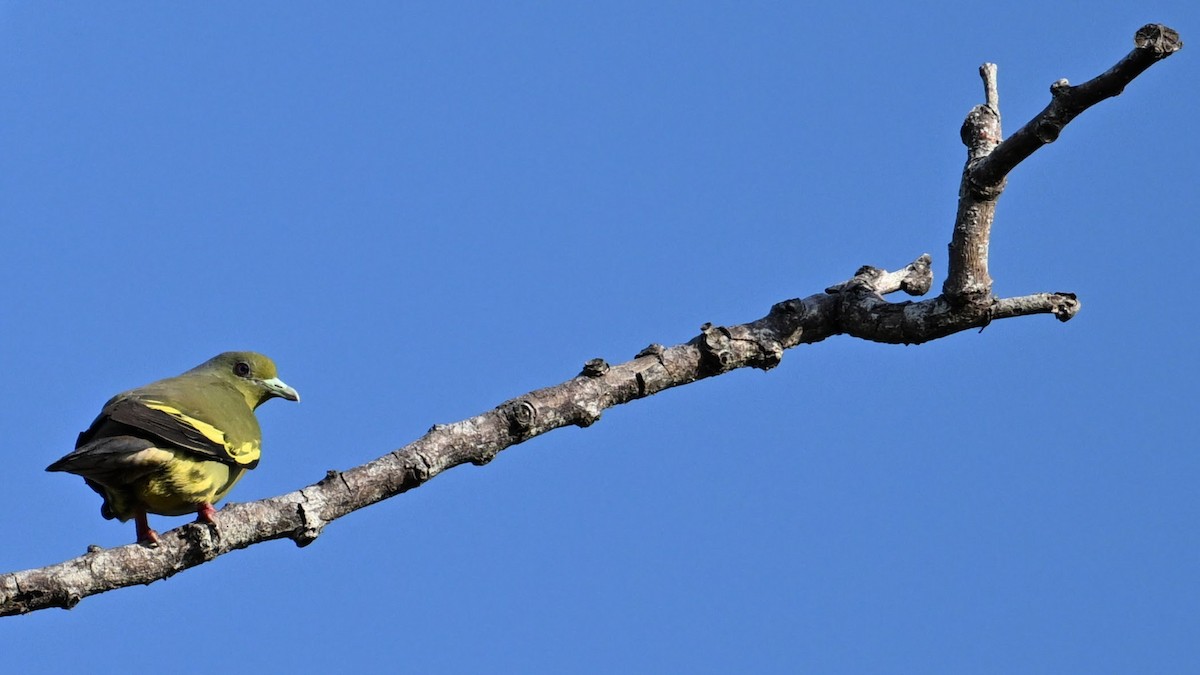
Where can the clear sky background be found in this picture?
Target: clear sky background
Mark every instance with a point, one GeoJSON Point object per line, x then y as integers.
{"type": "Point", "coordinates": [423, 209]}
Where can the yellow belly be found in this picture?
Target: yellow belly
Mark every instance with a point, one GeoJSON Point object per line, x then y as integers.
{"type": "Point", "coordinates": [180, 485]}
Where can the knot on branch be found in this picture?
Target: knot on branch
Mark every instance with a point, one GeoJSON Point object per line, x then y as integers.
{"type": "Point", "coordinates": [918, 278]}
{"type": "Point", "coordinates": [520, 415]}
{"type": "Point", "coordinates": [22, 599]}
{"type": "Point", "coordinates": [201, 539]}
{"type": "Point", "coordinates": [311, 522]}
{"type": "Point", "coordinates": [866, 276]}
{"type": "Point", "coordinates": [715, 348]}
{"type": "Point", "coordinates": [1049, 125]}
{"type": "Point", "coordinates": [594, 368]}
{"type": "Point", "coordinates": [724, 348]}
{"type": "Point", "coordinates": [654, 349]}
{"type": "Point", "coordinates": [1157, 39]}
{"type": "Point", "coordinates": [587, 415]}
{"type": "Point", "coordinates": [70, 599]}
{"type": "Point", "coordinates": [980, 132]}
{"type": "Point", "coordinates": [1047, 131]}
{"type": "Point", "coordinates": [770, 353]}
{"type": "Point", "coordinates": [794, 307]}
{"type": "Point", "coordinates": [417, 467]}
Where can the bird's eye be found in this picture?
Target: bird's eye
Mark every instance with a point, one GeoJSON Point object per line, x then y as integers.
{"type": "Point", "coordinates": [241, 369]}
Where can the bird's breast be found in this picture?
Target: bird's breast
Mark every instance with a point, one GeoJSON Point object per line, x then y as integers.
{"type": "Point", "coordinates": [184, 483]}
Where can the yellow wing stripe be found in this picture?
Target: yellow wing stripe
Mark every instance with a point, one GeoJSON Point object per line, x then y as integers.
{"type": "Point", "coordinates": [244, 453]}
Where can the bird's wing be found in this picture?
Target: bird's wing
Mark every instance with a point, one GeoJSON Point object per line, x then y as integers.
{"type": "Point", "coordinates": [179, 429]}
{"type": "Point", "coordinates": [114, 460]}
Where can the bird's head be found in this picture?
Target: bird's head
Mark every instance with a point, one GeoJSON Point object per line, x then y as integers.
{"type": "Point", "coordinates": [252, 374]}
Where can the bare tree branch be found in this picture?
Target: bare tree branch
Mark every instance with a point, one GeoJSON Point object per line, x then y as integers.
{"type": "Point", "coordinates": [989, 161]}
{"type": "Point", "coordinates": [1152, 43]}
{"type": "Point", "coordinates": [854, 307]}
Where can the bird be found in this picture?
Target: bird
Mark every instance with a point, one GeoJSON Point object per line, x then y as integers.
{"type": "Point", "coordinates": [178, 445]}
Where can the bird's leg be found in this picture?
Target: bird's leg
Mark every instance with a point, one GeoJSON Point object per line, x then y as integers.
{"type": "Point", "coordinates": [205, 513]}
{"type": "Point", "coordinates": [145, 535]}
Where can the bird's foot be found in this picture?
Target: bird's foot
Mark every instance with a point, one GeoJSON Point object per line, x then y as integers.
{"type": "Point", "coordinates": [145, 535]}
{"type": "Point", "coordinates": [205, 514]}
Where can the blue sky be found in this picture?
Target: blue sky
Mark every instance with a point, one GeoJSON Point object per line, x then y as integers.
{"type": "Point", "coordinates": [423, 209]}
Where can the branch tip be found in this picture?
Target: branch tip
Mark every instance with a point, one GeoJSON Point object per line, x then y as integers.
{"type": "Point", "coordinates": [918, 276]}
{"type": "Point", "coordinates": [1067, 307]}
{"type": "Point", "coordinates": [1064, 306]}
{"type": "Point", "coordinates": [1159, 40]}
{"type": "Point", "coordinates": [991, 88]}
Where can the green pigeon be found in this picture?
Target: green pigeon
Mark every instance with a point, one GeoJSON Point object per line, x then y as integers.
{"type": "Point", "coordinates": [178, 445]}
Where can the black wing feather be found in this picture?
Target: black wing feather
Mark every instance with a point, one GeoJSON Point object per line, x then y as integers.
{"type": "Point", "coordinates": [133, 413]}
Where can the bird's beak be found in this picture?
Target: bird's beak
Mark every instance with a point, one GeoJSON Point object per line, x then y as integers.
{"type": "Point", "coordinates": [277, 387]}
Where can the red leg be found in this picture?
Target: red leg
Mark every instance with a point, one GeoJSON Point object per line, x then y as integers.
{"type": "Point", "coordinates": [145, 535]}
{"type": "Point", "coordinates": [205, 513]}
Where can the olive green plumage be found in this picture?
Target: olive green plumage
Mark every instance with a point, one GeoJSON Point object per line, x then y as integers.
{"type": "Point", "coordinates": [178, 445]}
